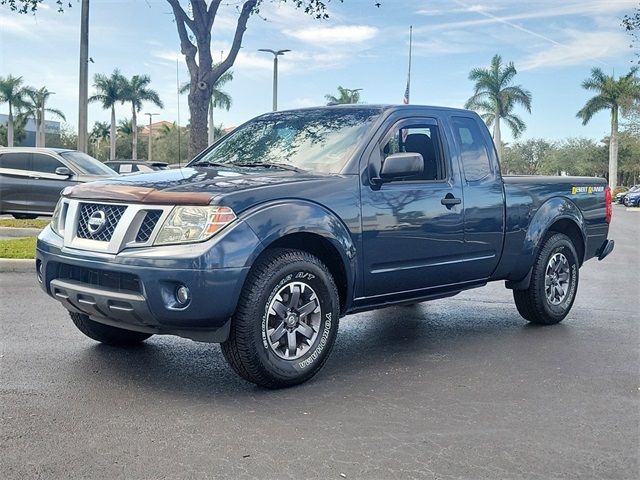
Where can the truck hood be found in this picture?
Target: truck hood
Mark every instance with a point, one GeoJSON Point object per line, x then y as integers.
{"type": "Point", "coordinates": [238, 188]}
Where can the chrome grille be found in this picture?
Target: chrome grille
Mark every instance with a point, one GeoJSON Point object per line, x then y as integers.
{"type": "Point", "coordinates": [148, 224]}
{"type": "Point", "coordinates": [112, 214]}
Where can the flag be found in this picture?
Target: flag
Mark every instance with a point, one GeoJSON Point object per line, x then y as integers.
{"type": "Point", "coordinates": [405, 100]}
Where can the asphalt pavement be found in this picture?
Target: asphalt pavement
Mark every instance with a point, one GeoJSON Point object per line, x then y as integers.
{"type": "Point", "coordinates": [455, 388]}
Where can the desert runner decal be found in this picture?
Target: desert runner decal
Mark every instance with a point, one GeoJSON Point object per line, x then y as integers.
{"type": "Point", "coordinates": [589, 189]}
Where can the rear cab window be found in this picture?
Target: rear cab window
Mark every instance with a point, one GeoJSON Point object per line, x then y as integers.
{"type": "Point", "coordinates": [474, 156]}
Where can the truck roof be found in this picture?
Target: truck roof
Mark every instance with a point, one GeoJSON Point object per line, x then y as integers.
{"type": "Point", "coordinates": [372, 108]}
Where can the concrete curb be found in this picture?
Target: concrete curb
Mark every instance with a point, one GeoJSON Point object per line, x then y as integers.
{"type": "Point", "coordinates": [14, 265]}
{"type": "Point", "coordinates": [19, 232]}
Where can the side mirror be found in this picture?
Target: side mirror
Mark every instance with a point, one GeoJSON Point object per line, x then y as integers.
{"type": "Point", "coordinates": [64, 172]}
{"type": "Point", "coordinates": [402, 165]}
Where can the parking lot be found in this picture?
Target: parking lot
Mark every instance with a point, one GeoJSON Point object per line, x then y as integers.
{"type": "Point", "coordinates": [456, 388]}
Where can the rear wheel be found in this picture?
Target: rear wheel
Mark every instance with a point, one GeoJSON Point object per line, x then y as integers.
{"type": "Point", "coordinates": [106, 333]}
{"type": "Point", "coordinates": [554, 282]}
{"type": "Point", "coordinates": [286, 320]}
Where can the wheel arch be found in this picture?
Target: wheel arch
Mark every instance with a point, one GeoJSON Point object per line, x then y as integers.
{"type": "Point", "coordinates": [559, 215]}
{"type": "Point", "coordinates": [309, 227]}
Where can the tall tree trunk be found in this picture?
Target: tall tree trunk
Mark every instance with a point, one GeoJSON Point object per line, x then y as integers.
{"type": "Point", "coordinates": [613, 150]}
{"type": "Point", "coordinates": [42, 130]}
{"type": "Point", "coordinates": [199, 109]}
{"type": "Point", "coordinates": [112, 134]}
{"type": "Point", "coordinates": [211, 126]}
{"type": "Point", "coordinates": [10, 128]}
{"type": "Point", "coordinates": [39, 128]}
{"type": "Point", "coordinates": [134, 134]}
{"type": "Point", "coordinates": [497, 136]}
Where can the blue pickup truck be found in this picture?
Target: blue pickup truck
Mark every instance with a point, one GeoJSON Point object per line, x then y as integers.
{"type": "Point", "coordinates": [297, 218]}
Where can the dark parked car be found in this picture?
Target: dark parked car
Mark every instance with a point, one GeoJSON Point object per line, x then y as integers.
{"type": "Point", "coordinates": [31, 179]}
{"type": "Point", "coordinates": [632, 199]}
{"type": "Point", "coordinates": [622, 195]}
{"type": "Point", "coordinates": [297, 218]}
{"type": "Point", "coordinates": [125, 167]}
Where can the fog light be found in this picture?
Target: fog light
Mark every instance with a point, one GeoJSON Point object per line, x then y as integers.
{"type": "Point", "coordinates": [183, 295]}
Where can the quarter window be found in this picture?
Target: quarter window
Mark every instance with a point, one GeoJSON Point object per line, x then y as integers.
{"type": "Point", "coordinates": [473, 148]}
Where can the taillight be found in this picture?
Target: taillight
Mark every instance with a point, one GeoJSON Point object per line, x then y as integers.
{"type": "Point", "coordinates": [608, 201]}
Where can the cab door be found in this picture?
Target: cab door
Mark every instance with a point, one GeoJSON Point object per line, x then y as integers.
{"type": "Point", "coordinates": [413, 229]}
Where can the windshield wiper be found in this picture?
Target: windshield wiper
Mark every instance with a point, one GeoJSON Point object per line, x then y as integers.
{"type": "Point", "coordinates": [283, 166]}
{"type": "Point", "coordinates": [212, 164]}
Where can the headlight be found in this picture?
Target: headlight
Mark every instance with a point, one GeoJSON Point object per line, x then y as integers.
{"type": "Point", "coordinates": [57, 221]}
{"type": "Point", "coordinates": [193, 224]}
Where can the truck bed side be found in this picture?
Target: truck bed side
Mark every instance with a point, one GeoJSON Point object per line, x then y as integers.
{"type": "Point", "coordinates": [534, 204]}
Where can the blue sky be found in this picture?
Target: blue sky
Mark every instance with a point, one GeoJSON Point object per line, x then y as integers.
{"type": "Point", "coordinates": [554, 44]}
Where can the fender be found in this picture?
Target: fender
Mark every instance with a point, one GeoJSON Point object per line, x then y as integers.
{"type": "Point", "coordinates": [553, 210]}
{"type": "Point", "coordinates": [274, 220]}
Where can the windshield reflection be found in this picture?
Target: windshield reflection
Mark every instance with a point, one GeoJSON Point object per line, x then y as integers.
{"type": "Point", "coordinates": [318, 140]}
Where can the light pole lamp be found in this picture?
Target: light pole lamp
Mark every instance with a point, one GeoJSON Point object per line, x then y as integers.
{"type": "Point", "coordinates": [151, 115]}
{"type": "Point", "coordinates": [276, 54]}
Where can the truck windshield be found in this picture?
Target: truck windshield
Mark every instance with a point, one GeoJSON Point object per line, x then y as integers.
{"type": "Point", "coordinates": [315, 140]}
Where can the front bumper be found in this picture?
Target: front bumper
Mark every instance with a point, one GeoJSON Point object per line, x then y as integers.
{"type": "Point", "coordinates": [134, 293]}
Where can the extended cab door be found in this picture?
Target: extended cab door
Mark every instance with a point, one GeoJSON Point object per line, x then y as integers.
{"type": "Point", "coordinates": [413, 229]}
{"type": "Point", "coordinates": [484, 215]}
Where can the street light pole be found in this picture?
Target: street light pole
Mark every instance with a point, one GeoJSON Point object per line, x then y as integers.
{"type": "Point", "coordinates": [150, 132]}
{"type": "Point", "coordinates": [83, 97]}
{"type": "Point", "coordinates": [276, 54]}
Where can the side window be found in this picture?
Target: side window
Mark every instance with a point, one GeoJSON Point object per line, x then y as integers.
{"type": "Point", "coordinates": [422, 139]}
{"type": "Point", "coordinates": [15, 161]}
{"type": "Point", "coordinates": [125, 168]}
{"type": "Point", "coordinates": [45, 163]}
{"type": "Point", "coordinates": [473, 150]}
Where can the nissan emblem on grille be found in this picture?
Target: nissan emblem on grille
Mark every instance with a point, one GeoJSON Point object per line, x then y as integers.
{"type": "Point", "coordinates": [96, 222]}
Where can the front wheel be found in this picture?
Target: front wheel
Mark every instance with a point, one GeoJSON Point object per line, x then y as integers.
{"type": "Point", "coordinates": [286, 320]}
{"type": "Point", "coordinates": [554, 282]}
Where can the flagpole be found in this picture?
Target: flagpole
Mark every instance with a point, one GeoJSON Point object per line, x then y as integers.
{"type": "Point", "coordinates": [407, 92]}
{"type": "Point", "coordinates": [410, 58]}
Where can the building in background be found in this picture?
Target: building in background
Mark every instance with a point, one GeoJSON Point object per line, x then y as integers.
{"type": "Point", "coordinates": [50, 127]}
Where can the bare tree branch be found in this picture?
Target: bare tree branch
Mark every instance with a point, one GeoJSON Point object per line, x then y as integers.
{"type": "Point", "coordinates": [227, 63]}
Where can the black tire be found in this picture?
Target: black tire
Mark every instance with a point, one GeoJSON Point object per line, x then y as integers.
{"type": "Point", "coordinates": [24, 216]}
{"type": "Point", "coordinates": [534, 303]}
{"type": "Point", "coordinates": [249, 349]}
{"type": "Point", "coordinates": [106, 333]}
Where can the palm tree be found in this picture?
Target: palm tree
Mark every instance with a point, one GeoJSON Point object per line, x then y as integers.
{"type": "Point", "coordinates": [219, 99]}
{"type": "Point", "coordinates": [125, 127]}
{"type": "Point", "coordinates": [614, 95]}
{"type": "Point", "coordinates": [495, 97]}
{"type": "Point", "coordinates": [34, 107]}
{"type": "Point", "coordinates": [13, 92]}
{"type": "Point", "coordinates": [100, 132]}
{"type": "Point", "coordinates": [137, 92]}
{"type": "Point", "coordinates": [109, 92]}
{"type": "Point", "coordinates": [345, 96]}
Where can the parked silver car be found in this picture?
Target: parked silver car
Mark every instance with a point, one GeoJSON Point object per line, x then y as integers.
{"type": "Point", "coordinates": [31, 179]}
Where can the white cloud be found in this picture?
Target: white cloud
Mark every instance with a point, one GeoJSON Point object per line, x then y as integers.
{"type": "Point", "coordinates": [580, 48]}
{"type": "Point", "coordinates": [337, 35]}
